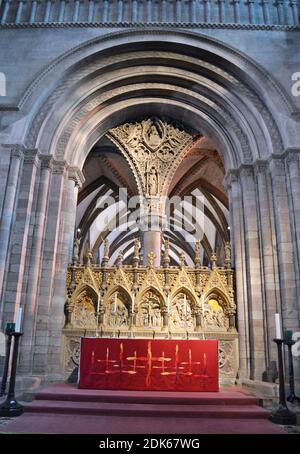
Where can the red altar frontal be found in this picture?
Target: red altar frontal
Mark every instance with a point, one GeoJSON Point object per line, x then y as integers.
{"type": "Point", "coordinates": [149, 365]}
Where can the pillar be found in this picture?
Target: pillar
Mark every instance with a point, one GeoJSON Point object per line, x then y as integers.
{"type": "Point", "coordinates": [15, 285]}
{"type": "Point", "coordinates": [30, 301]}
{"type": "Point", "coordinates": [239, 259]}
{"type": "Point", "coordinates": [254, 285]}
{"type": "Point", "coordinates": [7, 214]}
{"type": "Point", "coordinates": [73, 180]}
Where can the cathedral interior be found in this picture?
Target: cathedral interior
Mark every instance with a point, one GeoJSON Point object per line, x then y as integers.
{"type": "Point", "coordinates": [150, 188]}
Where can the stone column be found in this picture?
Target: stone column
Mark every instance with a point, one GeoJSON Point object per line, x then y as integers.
{"type": "Point", "coordinates": [238, 246]}
{"type": "Point", "coordinates": [152, 243]}
{"type": "Point", "coordinates": [15, 284]}
{"type": "Point", "coordinates": [293, 172]}
{"type": "Point", "coordinates": [254, 286]}
{"type": "Point", "coordinates": [48, 267]}
{"type": "Point", "coordinates": [7, 214]}
{"type": "Point", "coordinates": [269, 257]}
{"type": "Point", "coordinates": [151, 225]}
{"type": "Point", "coordinates": [56, 314]}
{"type": "Point", "coordinates": [35, 261]}
{"type": "Point", "coordinates": [287, 249]}
{"type": "Point", "coordinates": [286, 253]}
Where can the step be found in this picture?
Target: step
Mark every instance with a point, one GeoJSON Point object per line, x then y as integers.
{"type": "Point", "coordinates": [83, 395]}
{"type": "Point", "coordinates": [170, 410]}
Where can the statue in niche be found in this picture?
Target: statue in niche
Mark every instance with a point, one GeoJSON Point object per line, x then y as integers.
{"type": "Point", "coordinates": [181, 313]}
{"type": "Point", "coordinates": [152, 182]}
{"type": "Point", "coordinates": [150, 313]}
{"type": "Point", "coordinates": [214, 316]}
{"type": "Point", "coordinates": [118, 313]}
{"type": "Point", "coordinates": [84, 313]}
{"type": "Point", "coordinates": [153, 136]}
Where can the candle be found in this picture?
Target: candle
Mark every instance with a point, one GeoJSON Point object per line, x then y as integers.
{"type": "Point", "coordinates": [168, 302]}
{"type": "Point", "coordinates": [18, 321]}
{"type": "Point", "coordinates": [98, 303]}
{"type": "Point", "coordinates": [278, 326]}
{"type": "Point", "coordinates": [185, 305]}
{"type": "Point", "coordinates": [133, 297]}
{"type": "Point", "coordinates": [115, 305]}
{"type": "Point", "coordinates": [202, 303]}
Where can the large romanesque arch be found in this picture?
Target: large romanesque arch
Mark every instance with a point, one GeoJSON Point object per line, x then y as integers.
{"type": "Point", "coordinates": [108, 81]}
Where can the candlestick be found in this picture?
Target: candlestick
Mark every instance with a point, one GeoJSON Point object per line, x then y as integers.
{"type": "Point", "coordinates": [278, 326]}
{"type": "Point", "coordinates": [282, 415]}
{"type": "Point", "coordinates": [18, 320]}
{"type": "Point", "coordinates": [10, 407]}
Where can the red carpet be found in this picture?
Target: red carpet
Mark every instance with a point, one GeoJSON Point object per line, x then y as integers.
{"type": "Point", "coordinates": [65, 409]}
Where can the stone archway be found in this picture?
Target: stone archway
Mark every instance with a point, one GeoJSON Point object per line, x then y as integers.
{"type": "Point", "coordinates": [210, 88]}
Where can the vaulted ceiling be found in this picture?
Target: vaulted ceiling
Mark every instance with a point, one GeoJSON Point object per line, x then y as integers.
{"type": "Point", "coordinates": [199, 177]}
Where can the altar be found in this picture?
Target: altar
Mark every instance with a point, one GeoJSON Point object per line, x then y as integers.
{"type": "Point", "coordinates": [149, 365]}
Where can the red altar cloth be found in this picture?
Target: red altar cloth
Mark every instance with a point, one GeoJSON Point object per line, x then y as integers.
{"type": "Point", "coordinates": [142, 364]}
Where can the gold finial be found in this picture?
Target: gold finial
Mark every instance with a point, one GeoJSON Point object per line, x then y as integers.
{"type": "Point", "coordinates": [151, 258]}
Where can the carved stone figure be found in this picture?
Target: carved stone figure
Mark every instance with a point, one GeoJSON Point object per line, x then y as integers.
{"type": "Point", "coordinates": [118, 314]}
{"type": "Point", "coordinates": [198, 253]}
{"type": "Point", "coordinates": [120, 259]}
{"type": "Point", "coordinates": [152, 182]}
{"type": "Point", "coordinates": [137, 247]}
{"type": "Point", "coordinates": [84, 314]}
{"type": "Point", "coordinates": [149, 312]}
{"type": "Point", "coordinates": [215, 318]}
{"type": "Point", "coordinates": [154, 138]}
{"type": "Point", "coordinates": [76, 246]}
{"type": "Point", "coordinates": [181, 313]}
{"type": "Point", "coordinates": [106, 248]}
{"type": "Point", "coordinates": [89, 258]}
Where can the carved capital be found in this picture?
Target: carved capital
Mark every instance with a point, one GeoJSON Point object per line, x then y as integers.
{"type": "Point", "coordinates": [276, 165]}
{"type": "Point", "coordinates": [231, 177]}
{"type": "Point", "coordinates": [46, 161]}
{"type": "Point", "coordinates": [31, 156]}
{"type": "Point", "coordinates": [16, 150]}
{"type": "Point", "coordinates": [246, 171]}
{"type": "Point", "coordinates": [75, 174]}
{"type": "Point", "coordinates": [59, 167]}
{"type": "Point", "coordinates": [292, 156]}
{"type": "Point", "coordinates": [260, 166]}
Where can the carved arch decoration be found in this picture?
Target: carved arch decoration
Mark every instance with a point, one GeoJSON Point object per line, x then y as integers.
{"type": "Point", "coordinates": [216, 311]}
{"type": "Point", "coordinates": [117, 308]}
{"type": "Point", "coordinates": [244, 64]}
{"type": "Point", "coordinates": [182, 311]}
{"type": "Point", "coordinates": [154, 149]}
{"type": "Point", "coordinates": [84, 303]}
